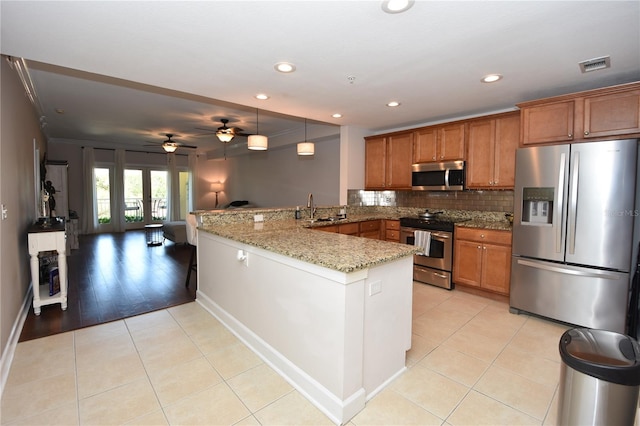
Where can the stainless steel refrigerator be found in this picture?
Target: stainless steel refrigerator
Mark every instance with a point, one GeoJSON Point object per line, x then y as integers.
{"type": "Point", "coordinates": [574, 211]}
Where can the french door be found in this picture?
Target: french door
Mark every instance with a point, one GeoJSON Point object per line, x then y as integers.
{"type": "Point", "coordinates": [145, 196]}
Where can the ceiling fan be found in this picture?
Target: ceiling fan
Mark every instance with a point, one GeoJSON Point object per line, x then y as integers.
{"type": "Point", "coordinates": [170, 145]}
{"type": "Point", "coordinates": [225, 133]}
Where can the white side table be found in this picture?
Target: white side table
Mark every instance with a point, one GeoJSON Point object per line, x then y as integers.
{"type": "Point", "coordinates": [47, 239]}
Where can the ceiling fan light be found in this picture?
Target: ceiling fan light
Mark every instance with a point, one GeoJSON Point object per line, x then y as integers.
{"type": "Point", "coordinates": [257, 142]}
{"type": "Point", "coordinates": [306, 148]}
{"type": "Point", "coordinates": [169, 147]}
{"type": "Point", "coordinates": [224, 136]}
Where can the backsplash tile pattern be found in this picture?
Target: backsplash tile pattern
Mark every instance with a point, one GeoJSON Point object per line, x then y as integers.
{"type": "Point", "coordinates": [494, 201]}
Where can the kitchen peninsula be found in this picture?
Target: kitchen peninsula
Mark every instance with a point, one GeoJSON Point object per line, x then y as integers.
{"type": "Point", "coordinates": [330, 312]}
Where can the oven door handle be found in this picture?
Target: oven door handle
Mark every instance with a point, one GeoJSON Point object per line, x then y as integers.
{"type": "Point", "coordinates": [438, 235]}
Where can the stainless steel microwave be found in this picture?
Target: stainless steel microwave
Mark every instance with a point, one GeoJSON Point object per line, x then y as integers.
{"type": "Point", "coordinates": [445, 176]}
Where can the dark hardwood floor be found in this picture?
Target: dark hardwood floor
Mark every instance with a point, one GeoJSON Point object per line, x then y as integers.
{"type": "Point", "coordinates": [115, 276]}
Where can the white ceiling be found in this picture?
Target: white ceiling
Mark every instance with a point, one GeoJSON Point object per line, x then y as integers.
{"type": "Point", "coordinates": [127, 72]}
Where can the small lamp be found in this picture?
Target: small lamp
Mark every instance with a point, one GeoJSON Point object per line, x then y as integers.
{"type": "Point", "coordinates": [257, 142]}
{"type": "Point", "coordinates": [216, 187]}
{"type": "Point", "coordinates": [225, 135]}
{"type": "Point", "coordinates": [169, 146]}
{"type": "Point", "coordinates": [306, 148]}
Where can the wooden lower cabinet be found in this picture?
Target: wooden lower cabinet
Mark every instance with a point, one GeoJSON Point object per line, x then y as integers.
{"type": "Point", "coordinates": [482, 259]}
{"type": "Point", "coordinates": [370, 229]}
{"type": "Point", "coordinates": [392, 230]}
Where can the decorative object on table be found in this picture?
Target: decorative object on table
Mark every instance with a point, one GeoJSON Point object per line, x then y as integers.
{"type": "Point", "coordinates": [54, 281]}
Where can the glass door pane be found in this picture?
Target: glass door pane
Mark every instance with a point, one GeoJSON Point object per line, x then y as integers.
{"type": "Point", "coordinates": [133, 197]}
{"type": "Point", "coordinates": [159, 185]}
{"type": "Point", "coordinates": [102, 193]}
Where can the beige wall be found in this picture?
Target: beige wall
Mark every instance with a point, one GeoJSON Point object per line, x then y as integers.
{"type": "Point", "coordinates": [274, 178]}
{"type": "Point", "coordinates": [19, 127]}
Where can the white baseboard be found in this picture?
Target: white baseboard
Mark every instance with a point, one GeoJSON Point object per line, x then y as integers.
{"type": "Point", "coordinates": [339, 411]}
{"type": "Point", "coordinates": [12, 342]}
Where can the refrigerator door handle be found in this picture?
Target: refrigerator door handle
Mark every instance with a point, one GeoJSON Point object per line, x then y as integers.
{"type": "Point", "coordinates": [573, 202]}
{"type": "Point", "coordinates": [560, 204]}
{"type": "Point", "coordinates": [590, 274]}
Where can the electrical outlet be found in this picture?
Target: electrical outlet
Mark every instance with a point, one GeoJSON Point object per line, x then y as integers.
{"type": "Point", "coordinates": [375, 288]}
{"type": "Point", "coordinates": [4, 212]}
{"type": "Point", "coordinates": [258, 218]}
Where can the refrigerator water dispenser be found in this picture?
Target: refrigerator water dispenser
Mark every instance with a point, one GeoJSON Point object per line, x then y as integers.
{"type": "Point", "coordinates": [537, 206]}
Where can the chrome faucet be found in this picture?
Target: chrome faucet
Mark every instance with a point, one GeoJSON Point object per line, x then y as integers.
{"type": "Point", "coordinates": [312, 209]}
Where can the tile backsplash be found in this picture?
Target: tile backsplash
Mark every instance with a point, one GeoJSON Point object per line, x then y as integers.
{"type": "Point", "coordinates": [495, 201]}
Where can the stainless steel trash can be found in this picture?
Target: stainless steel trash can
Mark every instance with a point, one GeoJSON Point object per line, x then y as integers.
{"type": "Point", "coordinates": [599, 378]}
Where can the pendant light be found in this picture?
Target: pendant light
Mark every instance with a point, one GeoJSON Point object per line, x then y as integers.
{"type": "Point", "coordinates": [257, 142]}
{"type": "Point", "coordinates": [306, 148]}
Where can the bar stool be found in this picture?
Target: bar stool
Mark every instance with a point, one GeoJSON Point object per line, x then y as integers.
{"type": "Point", "coordinates": [192, 240]}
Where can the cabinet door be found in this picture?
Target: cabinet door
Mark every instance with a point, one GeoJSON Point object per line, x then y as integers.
{"type": "Point", "coordinates": [496, 268]}
{"type": "Point", "coordinates": [615, 114]}
{"type": "Point", "coordinates": [375, 163]}
{"type": "Point", "coordinates": [467, 266]}
{"type": "Point", "coordinates": [399, 155]}
{"type": "Point", "coordinates": [507, 137]}
{"type": "Point", "coordinates": [451, 142]}
{"type": "Point", "coordinates": [548, 123]}
{"type": "Point", "coordinates": [480, 154]}
{"type": "Point", "coordinates": [424, 146]}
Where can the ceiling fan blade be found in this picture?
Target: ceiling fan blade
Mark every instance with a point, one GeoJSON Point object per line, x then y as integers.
{"type": "Point", "coordinates": [181, 145]}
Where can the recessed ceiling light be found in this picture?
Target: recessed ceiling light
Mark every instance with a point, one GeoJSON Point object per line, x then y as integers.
{"type": "Point", "coordinates": [285, 67]}
{"type": "Point", "coordinates": [396, 6]}
{"type": "Point", "coordinates": [262, 96]}
{"type": "Point", "coordinates": [491, 78]}
{"type": "Point", "coordinates": [337, 115]}
{"type": "Point", "coordinates": [393, 104]}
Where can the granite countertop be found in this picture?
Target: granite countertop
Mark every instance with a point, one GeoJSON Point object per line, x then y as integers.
{"type": "Point", "coordinates": [499, 225]}
{"type": "Point", "coordinates": [297, 239]}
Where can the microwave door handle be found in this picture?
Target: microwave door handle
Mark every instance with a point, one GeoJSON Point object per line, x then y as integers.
{"type": "Point", "coordinates": [560, 203]}
{"type": "Point", "coordinates": [573, 202]}
{"type": "Point", "coordinates": [446, 178]}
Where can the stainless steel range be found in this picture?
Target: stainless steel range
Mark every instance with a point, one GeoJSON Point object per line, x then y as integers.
{"type": "Point", "coordinates": [434, 268]}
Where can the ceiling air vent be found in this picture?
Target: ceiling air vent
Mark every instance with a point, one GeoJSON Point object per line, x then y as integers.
{"type": "Point", "coordinates": [595, 64]}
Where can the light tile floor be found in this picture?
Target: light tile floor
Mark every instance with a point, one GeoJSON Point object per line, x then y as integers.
{"type": "Point", "coordinates": [472, 362]}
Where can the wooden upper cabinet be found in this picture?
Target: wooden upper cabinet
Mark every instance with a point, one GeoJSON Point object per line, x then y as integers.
{"type": "Point", "coordinates": [375, 162]}
{"type": "Point", "coordinates": [548, 123]}
{"type": "Point", "coordinates": [480, 158]}
{"type": "Point", "coordinates": [399, 156]}
{"type": "Point", "coordinates": [388, 161]}
{"type": "Point", "coordinates": [602, 113]}
{"type": "Point", "coordinates": [425, 145]}
{"type": "Point", "coordinates": [439, 143]}
{"type": "Point", "coordinates": [611, 115]}
{"type": "Point", "coordinates": [491, 152]}
{"type": "Point", "coordinates": [451, 142]}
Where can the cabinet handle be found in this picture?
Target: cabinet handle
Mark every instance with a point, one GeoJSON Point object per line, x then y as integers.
{"type": "Point", "coordinates": [570, 135]}
{"type": "Point", "coordinates": [484, 248]}
{"type": "Point", "coordinates": [433, 158]}
{"type": "Point", "coordinates": [481, 235]}
{"type": "Point", "coordinates": [479, 247]}
{"type": "Point", "coordinates": [586, 133]}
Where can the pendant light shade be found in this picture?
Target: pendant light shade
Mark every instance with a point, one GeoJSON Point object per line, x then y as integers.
{"type": "Point", "coordinates": [306, 148]}
{"type": "Point", "coordinates": [257, 142]}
